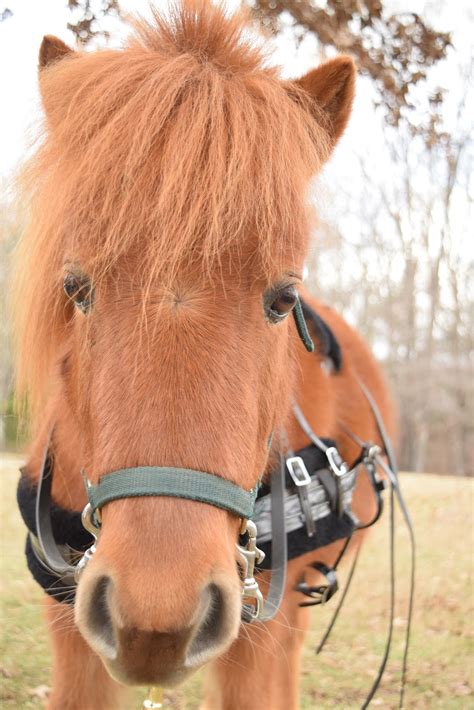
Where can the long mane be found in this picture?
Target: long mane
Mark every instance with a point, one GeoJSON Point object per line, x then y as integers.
{"type": "Point", "coordinates": [180, 146]}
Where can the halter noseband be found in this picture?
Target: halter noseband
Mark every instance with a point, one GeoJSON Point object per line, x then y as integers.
{"type": "Point", "coordinates": [176, 482]}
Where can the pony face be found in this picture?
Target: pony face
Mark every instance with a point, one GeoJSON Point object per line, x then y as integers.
{"type": "Point", "coordinates": [199, 381]}
{"type": "Point", "coordinates": [170, 230]}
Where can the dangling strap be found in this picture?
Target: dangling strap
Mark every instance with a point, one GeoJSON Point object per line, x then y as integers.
{"type": "Point", "coordinates": [44, 544]}
{"type": "Point", "coordinates": [301, 326]}
{"type": "Point", "coordinates": [342, 599]}
{"type": "Point", "coordinates": [279, 545]}
{"type": "Point", "coordinates": [392, 473]}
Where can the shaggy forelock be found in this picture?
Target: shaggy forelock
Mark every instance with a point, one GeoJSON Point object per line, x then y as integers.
{"type": "Point", "coordinates": [181, 146]}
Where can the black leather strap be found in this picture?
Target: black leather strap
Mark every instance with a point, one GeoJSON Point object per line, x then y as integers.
{"type": "Point", "coordinates": [49, 550]}
{"type": "Point", "coordinates": [391, 470]}
{"type": "Point", "coordinates": [279, 556]}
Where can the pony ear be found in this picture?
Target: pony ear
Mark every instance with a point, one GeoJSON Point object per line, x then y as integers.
{"type": "Point", "coordinates": [52, 50]}
{"type": "Point", "coordinates": [330, 89]}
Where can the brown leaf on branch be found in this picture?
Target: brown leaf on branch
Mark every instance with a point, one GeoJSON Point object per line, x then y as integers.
{"type": "Point", "coordinates": [395, 51]}
{"type": "Point", "coordinates": [87, 26]}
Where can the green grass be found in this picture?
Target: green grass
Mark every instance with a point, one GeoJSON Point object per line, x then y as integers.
{"type": "Point", "coordinates": [441, 656]}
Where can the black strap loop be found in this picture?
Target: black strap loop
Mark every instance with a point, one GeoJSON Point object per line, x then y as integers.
{"type": "Point", "coordinates": [322, 593]}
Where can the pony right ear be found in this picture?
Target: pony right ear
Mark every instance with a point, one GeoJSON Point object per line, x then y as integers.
{"type": "Point", "coordinates": [329, 92]}
{"type": "Point", "coordinates": [52, 50]}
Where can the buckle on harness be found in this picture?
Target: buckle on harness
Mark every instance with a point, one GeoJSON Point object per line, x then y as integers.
{"type": "Point", "coordinates": [298, 471]}
{"type": "Point", "coordinates": [301, 478]}
{"type": "Point", "coordinates": [91, 523]}
{"type": "Point", "coordinates": [336, 463]}
{"type": "Point", "coordinates": [321, 593]}
{"type": "Point", "coordinates": [339, 469]}
{"type": "Point", "coordinates": [250, 555]}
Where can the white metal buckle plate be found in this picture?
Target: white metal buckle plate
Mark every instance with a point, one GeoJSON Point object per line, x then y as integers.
{"type": "Point", "coordinates": [298, 471]}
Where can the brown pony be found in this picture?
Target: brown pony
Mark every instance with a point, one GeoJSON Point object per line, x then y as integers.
{"type": "Point", "coordinates": [169, 198]}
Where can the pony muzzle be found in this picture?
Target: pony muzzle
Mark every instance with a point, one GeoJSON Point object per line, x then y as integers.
{"type": "Point", "coordinates": [156, 656]}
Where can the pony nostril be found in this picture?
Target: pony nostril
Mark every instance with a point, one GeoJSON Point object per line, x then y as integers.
{"type": "Point", "coordinates": [213, 632]}
{"type": "Point", "coordinates": [99, 619]}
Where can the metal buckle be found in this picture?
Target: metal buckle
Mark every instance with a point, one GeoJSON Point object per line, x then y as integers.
{"type": "Point", "coordinates": [321, 593]}
{"type": "Point", "coordinates": [250, 555]}
{"type": "Point", "coordinates": [371, 452]}
{"type": "Point", "coordinates": [88, 519]}
{"type": "Point", "coordinates": [339, 468]}
{"type": "Point", "coordinates": [336, 463]}
{"type": "Point", "coordinates": [301, 478]}
{"type": "Point", "coordinates": [298, 471]}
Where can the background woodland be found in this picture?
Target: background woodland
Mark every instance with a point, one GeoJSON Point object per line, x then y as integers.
{"type": "Point", "coordinates": [391, 250]}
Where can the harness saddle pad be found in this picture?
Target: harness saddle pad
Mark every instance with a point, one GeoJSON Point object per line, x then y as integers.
{"type": "Point", "coordinates": [323, 497]}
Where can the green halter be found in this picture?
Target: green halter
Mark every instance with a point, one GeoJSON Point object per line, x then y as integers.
{"type": "Point", "coordinates": [175, 482]}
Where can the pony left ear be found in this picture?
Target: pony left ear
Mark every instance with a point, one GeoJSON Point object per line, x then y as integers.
{"type": "Point", "coordinates": [52, 50]}
{"type": "Point", "coordinates": [331, 89]}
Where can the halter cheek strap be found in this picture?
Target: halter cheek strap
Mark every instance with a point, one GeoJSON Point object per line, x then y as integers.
{"type": "Point", "coordinates": [175, 482]}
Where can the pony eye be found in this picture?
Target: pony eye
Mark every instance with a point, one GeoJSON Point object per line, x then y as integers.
{"type": "Point", "coordinates": [80, 290]}
{"type": "Point", "coordinates": [278, 304]}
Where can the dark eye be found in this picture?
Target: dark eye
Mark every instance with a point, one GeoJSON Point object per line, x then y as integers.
{"type": "Point", "coordinates": [280, 302]}
{"type": "Point", "coordinates": [79, 289]}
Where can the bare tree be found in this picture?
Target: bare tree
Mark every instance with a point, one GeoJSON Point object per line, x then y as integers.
{"type": "Point", "coordinates": [409, 282]}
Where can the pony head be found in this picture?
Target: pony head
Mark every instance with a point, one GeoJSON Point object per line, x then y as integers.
{"type": "Point", "coordinates": [169, 225]}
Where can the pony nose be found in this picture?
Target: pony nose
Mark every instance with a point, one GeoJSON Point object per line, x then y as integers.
{"type": "Point", "coordinates": [137, 656]}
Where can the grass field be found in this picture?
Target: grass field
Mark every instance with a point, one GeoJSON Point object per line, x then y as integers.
{"type": "Point", "coordinates": [441, 657]}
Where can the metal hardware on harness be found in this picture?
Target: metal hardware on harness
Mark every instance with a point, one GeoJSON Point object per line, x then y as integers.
{"type": "Point", "coordinates": [88, 518]}
{"type": "Point", "coordinates": [319, 501]}
{"type": "Point", "coordinates": [301, 478]}
{"type": "Point", "coordinates": [339, 469]}
{"type": "Point", "coordinates": [251, 555]}
{"type": "Point", "coordinates": [336, 463]}
{"type": "Point", "coordinates": [373, 451]}
{"type": "Point", "coordinates": [321, 593]}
